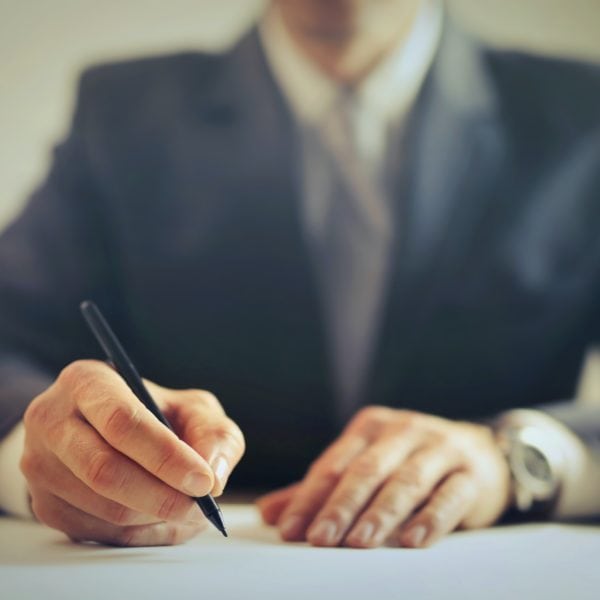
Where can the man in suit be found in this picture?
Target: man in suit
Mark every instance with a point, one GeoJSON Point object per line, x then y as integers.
{"type": "Point", "coordinates": [357, 222]}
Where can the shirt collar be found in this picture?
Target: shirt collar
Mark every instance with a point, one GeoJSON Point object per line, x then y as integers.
{"type": "Point", "coordinates": [387, 92]}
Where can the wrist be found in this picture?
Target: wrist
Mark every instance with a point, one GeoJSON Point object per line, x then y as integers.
{"type": "Point", "coordinates": [536, 465]}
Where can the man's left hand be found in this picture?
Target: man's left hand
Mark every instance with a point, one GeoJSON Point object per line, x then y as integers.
{"type": "Point", "coordinates": [395, 475]}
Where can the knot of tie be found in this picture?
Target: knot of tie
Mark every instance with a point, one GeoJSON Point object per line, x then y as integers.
{"type": "Point", "coordinates": [340, 132]}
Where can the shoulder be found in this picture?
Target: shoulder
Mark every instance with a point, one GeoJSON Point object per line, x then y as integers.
{"type": "Point", "coordinates": [149, 91]}
{"type": "Point", "coordinates": [554, 93]}
{"type": "Point", "coordinates": [141, 109]}
{"type": "Point", "coordinates": [144, 77]}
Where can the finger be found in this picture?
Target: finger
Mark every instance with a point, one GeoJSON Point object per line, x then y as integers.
{"type": "Point", "coordinates": [406, 489]}
{"type": "Point", "coordinates": [371, 421]}
{"type": "Point", "coordinates": [114, 476]}
{"type": "Point", "coordinates": [107, 403]}
{"type": "Point", "coordinates": [52, 476]}
{"type": "Point", "coordinates": [79, 526]}
{"type": "Point", "coordinates": [271, 505]}
{"type": "Point", "coordinates": [363, 477]}
{"type": "Point", "coordinates": [208, 430]}
{"type": "Point", "coordinates": [318, 484]}
{"type": "Point", "coordinates": [448, 506]}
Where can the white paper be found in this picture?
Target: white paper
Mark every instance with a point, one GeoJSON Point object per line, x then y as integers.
{"type": "Point", "coordinates": [545, 561]}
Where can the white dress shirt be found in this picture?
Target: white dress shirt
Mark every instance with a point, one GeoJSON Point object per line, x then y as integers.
{"type": "Point", "coordinates": [383, 100]}
{"type": "Point", "coordinates": [13, 487]}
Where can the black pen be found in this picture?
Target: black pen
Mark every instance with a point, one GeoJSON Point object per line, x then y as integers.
{"type": "Point", "coordinates": [122, 363]}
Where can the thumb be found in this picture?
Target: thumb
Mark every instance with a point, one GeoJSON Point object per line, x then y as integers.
{"type": "Point", "coordinates": [201, 422]}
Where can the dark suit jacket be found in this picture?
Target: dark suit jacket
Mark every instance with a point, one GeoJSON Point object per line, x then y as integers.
{"type": "Point", "coordinates": [174, 203]}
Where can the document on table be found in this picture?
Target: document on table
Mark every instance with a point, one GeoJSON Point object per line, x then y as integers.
{"type": "Point", "coordinates": [547, 561]}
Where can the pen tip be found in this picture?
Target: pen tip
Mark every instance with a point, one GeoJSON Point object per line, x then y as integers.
{"type": "Point", "coordinates": [221, 527]}
{"type": "Point", "coordinates": [217, 521]}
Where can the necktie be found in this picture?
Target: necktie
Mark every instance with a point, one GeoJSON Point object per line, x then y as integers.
{"type": "Point", "coordinates": [352, 253]}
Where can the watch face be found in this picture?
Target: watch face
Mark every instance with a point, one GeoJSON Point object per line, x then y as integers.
{"type": "Point", "coordinates": [536, 464]}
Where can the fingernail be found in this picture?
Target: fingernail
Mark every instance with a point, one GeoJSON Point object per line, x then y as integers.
{"type": "Point", "coordinates": [197, 484]}
{"type": "Point", "coordinates": [290, 526]}
{"type": "Point", "coordinates": [220, 468]}
{"type": "Point", "coordinates": [363, 533]}
{"type": "Point", "coordinates": [416, 535]}
{"type": "Point", "coordinates": [324, 532]}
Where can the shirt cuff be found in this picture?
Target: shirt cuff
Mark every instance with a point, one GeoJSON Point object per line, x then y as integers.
{"type": "Point", "coordinates": [14, 497]}
{"type": "Point", "coordinates": [578, 496]}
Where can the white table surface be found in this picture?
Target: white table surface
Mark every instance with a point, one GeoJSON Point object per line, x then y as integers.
{"type": "Point", "coordinates": [541, 561]}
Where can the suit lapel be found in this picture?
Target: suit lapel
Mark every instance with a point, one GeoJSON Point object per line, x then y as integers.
{"type": "Point", "coordinates": [257, 131]}
{"type": "Point", "coordinates": [452, 153]}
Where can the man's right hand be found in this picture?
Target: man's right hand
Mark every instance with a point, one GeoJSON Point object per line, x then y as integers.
{"type": "Point", "coordinates": [100, 467]}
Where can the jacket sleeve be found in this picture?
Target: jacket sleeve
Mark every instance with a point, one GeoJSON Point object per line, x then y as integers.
{"type": "Point", "coordinates": [51, 257]}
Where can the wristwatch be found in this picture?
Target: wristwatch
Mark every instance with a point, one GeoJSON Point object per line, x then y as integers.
{"type": "Point", "coordinates": [536, 465]}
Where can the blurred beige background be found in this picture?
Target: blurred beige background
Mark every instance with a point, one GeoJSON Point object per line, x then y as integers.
{"type": "Point", "coordinates": [45, 43]}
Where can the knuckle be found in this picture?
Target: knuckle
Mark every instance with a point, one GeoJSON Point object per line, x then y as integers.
{"type": "Point", "coordinates": [408, 419]}
{"type": "Point", "coordinates": [187, 531]}
{"type": "Point", "coordinates": [347, 503]}
{"type": "Point", "coordinates": [237, 437]}
{"type": "Point", "coordinates": [447, 452]}
{"type": "Point", "coordinates": [367, 465]}
{"type": "Point", "coordinates": [30, 465]}
{"type": "Point", "coordinates": [327, 472]}
{"type": "Point", "coordinates": [388, 509]}
{"type": "Point", "coordinates": [120, 422]}
{"type": "Point", "coordinates": [101, 472]}
{"type": "Point", "coordinates": [118, 514]}
{"type": "Point", "coordinates": [57, 434]}
{"type": "Point", "coordinates": [484, 434]}
{"type": "Point", "coordinates": [204, 398]}
{"type": "Point", "coordinates": [410, 479]}
{"type": "Point", "coordinates": [44, 423]}
{"type": "Point", "coordinates": [160, 534]}
{"type": "Point", "coordinates": [76, 376]}
{"type": "Point", "coordinates": [379, 517]}
{"type": "Point", "coordinates": [440, 438]}
{"type": "Point", "coordinates": [174, 534]}
{"type": "Point", "coordinates": [45, 514]}
{"type": "Point", "coordinates": [373, 413]}
{"type": "Point", "coordinates": [224, 434]}
{"type": "Point", "coordinates": [467, 491]}
{"type": "Point", "coordinates": [342, 514]}
{"type": "Point", "coordinates": [126, 536]}
{"type": "Point", "coordinates": [435, 520]}
{"type": "Point", "coordinates": [37, 414]}
{"type": "Point", "coordinates": [383, 515]}
{"type": "Point", "coordinates": [171, 505]}
{"type": "Point", "coordinates": [229, 434]}
{"type": "Point", "coordinates": [166, 455]}
{"type": "Point", "coordinates": [313, 467]}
